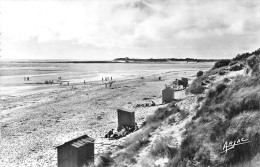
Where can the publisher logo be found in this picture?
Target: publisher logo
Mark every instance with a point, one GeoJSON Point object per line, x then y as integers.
{"type": "Point", "coordinates": [228, 145]}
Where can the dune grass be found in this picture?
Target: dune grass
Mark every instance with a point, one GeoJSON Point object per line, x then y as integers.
{"type": "Point", "coordinates": [229, 112]}
{"type": "Point", "coordinates": [163, 147]}
{"type": "Point", "coordinates": [196, 87]}
{"type": "Point", "coordinates": [199, 73]}
{"type": "Point", "coordinates": [103, 160]}
{"type": "Point", "coordinates": [221, 63]}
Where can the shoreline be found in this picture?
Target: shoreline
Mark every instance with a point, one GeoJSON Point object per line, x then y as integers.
{"type": "Point", "coordinates": [27, 88]}
{"type": "Point", "coordinates": [14, 79]}
{"type": "Point", "coordinates": [33, 125]}
{"type": "Point", "coordinates": [117, 60]}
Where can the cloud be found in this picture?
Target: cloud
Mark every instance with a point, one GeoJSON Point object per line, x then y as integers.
{"type": "Point", "coordinates": [133, 23]}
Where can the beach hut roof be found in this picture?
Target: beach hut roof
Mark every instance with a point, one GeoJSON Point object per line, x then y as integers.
{"type": "Point", "coordinates": [79, 142]}
{"type": "Point", "coordinates": [123, 109]}
{"type": "Point", "coordinates": [168, 88]}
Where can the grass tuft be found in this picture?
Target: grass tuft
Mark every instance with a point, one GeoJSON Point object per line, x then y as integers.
{"type": "Point", "coordinates": [196, 85]}
{"type": "Point", "coordinates": [162, 147]}
{"type": "Point", "coordinates": [221, 63]}
{"type": "Point", "coordinates": [104, 160]}
{"type": "Point", "coordinates": [199, 73]}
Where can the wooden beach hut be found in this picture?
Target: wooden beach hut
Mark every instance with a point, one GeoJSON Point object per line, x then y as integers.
{"type": "Point", "coordinates": [185, 82]}
{"type": "Point", "coordinates": [125, 118]}
{"type": "Point", "coordinates": [167, 95]}
{"type": "Point", "coordinates": [77, 152]}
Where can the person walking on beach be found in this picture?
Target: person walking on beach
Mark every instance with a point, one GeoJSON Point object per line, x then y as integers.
{"type": "Point", "coordinates": [28, 79]}
{"type": "Point", "coordinates": [111, 78]}
{"type": "Point", "coordinates": [102, 79]}
{"type": "Point", "coordinates": [84, 82]}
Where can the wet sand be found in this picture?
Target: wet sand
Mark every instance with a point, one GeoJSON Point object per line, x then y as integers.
{"type": "Point", "coordinates": [34, 124]}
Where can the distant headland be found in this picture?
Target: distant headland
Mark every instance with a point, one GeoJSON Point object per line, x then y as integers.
{"type": "Point", "coordinates": [133, 60]}
{"type": "Point", "coordinates": [124, 60]}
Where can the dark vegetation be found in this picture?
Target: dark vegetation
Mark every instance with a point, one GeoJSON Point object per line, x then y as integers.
{"type": "Point", "coordinates": [200, 73]}
{"type": "Point", "coordinates": [244, 56]}
{"type": "Point", "coordinates": [233, 63]}
{"type": "Point", "coordinates": [236, 67]}
{"type": "Point", "coordinates": [221, 63]}
{"type": "Point", "coordinates": [222, 72]}
{"type": "Point", "coordinates": [220, 67]}
{"type": "Point", "coordinates": [230, 112]}
{"type": "Point", "coordinates": [196, 87]}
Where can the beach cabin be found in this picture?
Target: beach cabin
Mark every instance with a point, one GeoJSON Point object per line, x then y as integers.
{"type": "Point", "coordinates": [125, 117]}
{"type": "Point", "coordinates": [76, 153]}
{"type": "Point", "coordinates": [185, 82]}
{"type": "Point", "coordinates": [167, 95]}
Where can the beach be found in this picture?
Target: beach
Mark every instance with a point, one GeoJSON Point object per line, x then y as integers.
{"type": "Point", "coordinates": [34, 124]}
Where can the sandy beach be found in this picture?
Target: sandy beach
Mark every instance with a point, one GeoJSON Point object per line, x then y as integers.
{"type": "Point", "coordinates": [33, 125]}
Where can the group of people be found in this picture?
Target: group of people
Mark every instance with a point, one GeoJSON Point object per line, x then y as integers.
{"type": "Point", "coordinates": [107, 79]}
{"type": "Point", "coordinates": [109, 83]}
{"type": "Point", "coordinates": [60, 81]}
{"type": "Point", "coordinates": [49, 82]}
{"type": "Point", "coordinates": [123, 132]}
{"type": "Point", "coordinates": [178, 82]}
{"type": "Point", "coordinates": [26, 78]}
{"type": "Point", "coordinates": [146, 104]}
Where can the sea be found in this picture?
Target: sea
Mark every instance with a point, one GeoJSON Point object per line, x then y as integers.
{"type": "Point", "coordinates": [14, 74]}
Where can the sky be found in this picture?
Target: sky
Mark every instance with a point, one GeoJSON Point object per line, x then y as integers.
{"type": "Point", "coordinates": [108, 29]}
